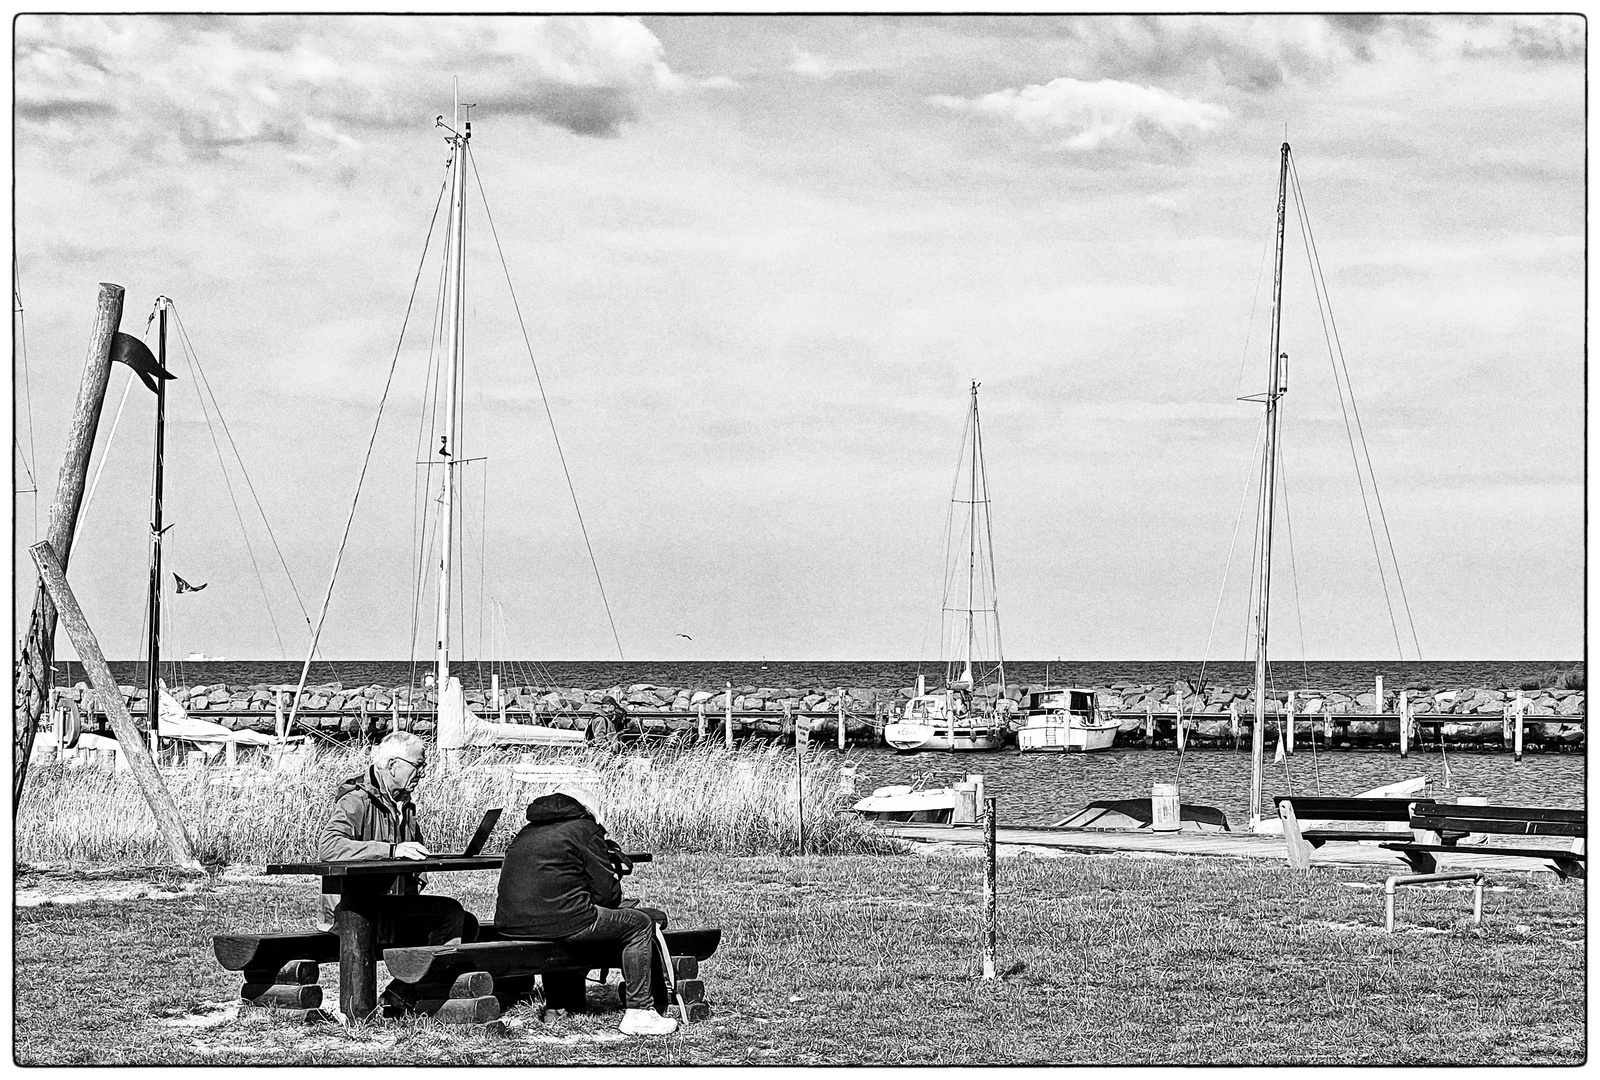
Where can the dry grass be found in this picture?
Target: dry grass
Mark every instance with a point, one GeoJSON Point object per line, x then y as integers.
{"type": "Point", "coordinates": [875, 961]}
{"type": "Point", "coordinates": [688, 799]}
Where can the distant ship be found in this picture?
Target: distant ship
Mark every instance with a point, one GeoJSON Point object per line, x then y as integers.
{"type": "Point", "coordinates": [202, 656]}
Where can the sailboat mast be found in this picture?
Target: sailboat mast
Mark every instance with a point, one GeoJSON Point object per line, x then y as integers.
{"type": "Point", "coordinates": [1267, 504]}
{"type": "Point", "coordinates": [972, 531]}
{"type": "Point", "coordinates": [455, 283]}
{"type": "Point", "coordinates": [152, 675]}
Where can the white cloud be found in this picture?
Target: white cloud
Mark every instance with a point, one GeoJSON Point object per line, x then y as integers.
{"type": "Point", "coordinates": [1094, 115]}
{"type": "Point", "coordinates": [810, 65]}
{"type": "Point", "coordinates": [213, 82]}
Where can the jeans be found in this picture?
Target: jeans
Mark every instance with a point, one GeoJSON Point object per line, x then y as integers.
{"type": "Point", "coordinates": [635, 928]}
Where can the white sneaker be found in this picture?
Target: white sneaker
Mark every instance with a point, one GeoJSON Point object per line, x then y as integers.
{"type": "Point", "coordinates": [647, 1022]}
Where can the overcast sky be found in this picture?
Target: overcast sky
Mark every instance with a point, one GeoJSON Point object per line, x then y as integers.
{"type": "Point", "coordinates": [759, 260]}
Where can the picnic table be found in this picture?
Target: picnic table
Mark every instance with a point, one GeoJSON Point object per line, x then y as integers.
{"type": "Point", "coordinates": [360, 884]}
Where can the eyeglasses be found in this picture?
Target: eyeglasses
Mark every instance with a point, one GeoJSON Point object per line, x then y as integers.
{"type": "Point", "coordinates": [417, 767]}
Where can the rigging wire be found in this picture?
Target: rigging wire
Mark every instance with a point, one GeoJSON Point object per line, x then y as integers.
{"type": "Point", "coordinates": [427, 428]}
{"type": "Point", "coordinates": [366, 460]}
{"type": "Point", "coordinates": [31, 459]}
{"type": "Point", "coordinates": [988, 524]}
{"type": "Point", "coordinates": [199, 380]}
{"type": "Point", "coordinates": [1336, 347]}
{"type": "Point", "coordinates": [83, 511]}
{"type": "Point", "coordinates": [1238, 521]}
{"type": "Point", "coordinates": [549, 414]}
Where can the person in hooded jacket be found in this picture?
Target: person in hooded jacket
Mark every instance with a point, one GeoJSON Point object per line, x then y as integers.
{"type": "Point", "coordinates": [560, 881]}
{"type": "Point", "coordinates": [374, 816]}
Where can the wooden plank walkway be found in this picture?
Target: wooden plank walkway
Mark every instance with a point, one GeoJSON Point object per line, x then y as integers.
{"type": "Point", "coordinates": [1235, 845]}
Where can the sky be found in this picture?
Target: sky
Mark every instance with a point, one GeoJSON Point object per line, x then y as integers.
{"type": "Point", "coordinates": [758, 262]}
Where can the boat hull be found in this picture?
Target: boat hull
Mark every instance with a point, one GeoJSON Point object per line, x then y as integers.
{"type": "Point", "coordinates": [910, 737]}
{"type": "Point", "coordinates": [932, 805]}
{"type": "Point", "coordinates": [1064, 738]}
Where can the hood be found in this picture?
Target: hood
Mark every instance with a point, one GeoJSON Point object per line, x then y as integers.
{"type": "Point", "coordinates": [567, 803]}
{"type": "Point", "coordinates": [368, 782]}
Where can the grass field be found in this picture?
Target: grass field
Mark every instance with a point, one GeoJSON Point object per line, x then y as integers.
{"type": "Point", "coordinates": [874, 959]}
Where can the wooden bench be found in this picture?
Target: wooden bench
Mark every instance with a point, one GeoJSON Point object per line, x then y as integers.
{"type": "Point", "coordinates": [1300, 842]}
{"type": "Point", "coordinates": [1453, 821]}
{"type": "Point", "coordinates": [475, 981]}
{"type": "Point", "coordinates": [282, 971]}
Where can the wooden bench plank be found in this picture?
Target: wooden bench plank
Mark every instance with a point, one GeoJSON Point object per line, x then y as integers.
{"type": "Point", "coordinates": [1505, 820]}
{"type": "Point", "coordinates": [1422, 857]}
{"type": "Point", "coordinates": [236, 952]}
{"type": "Point", "coordinates": [1356, 808]}
{"type": "Point", "coordinates": [436, 963]}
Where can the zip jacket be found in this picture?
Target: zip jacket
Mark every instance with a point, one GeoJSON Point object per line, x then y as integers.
{"type": "Point", "coordinates": [366, 824]}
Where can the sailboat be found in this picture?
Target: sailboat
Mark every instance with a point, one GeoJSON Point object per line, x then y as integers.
{"type": "Point", "coordinates": [458, 725]}
{"type": "Point", "coordinates": [968, 713]}
{"type": "Point", "coordinates": [1266, 509]}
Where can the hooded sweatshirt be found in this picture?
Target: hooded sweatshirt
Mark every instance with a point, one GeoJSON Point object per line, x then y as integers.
{"type": "Point", "coordinates": [366, 824]}
{"type": "Point", "coordinates": [556, 871]}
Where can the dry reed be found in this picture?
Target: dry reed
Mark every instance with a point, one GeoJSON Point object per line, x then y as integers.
{"type": "Point", "coordinates": [665, 799]}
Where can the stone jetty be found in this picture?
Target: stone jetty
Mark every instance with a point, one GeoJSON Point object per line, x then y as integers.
{"type": "Point", "coordinates": [1474, 713]}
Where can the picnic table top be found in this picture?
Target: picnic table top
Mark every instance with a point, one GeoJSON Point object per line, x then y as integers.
{"type": "Point", "coordinates": [352, 867]}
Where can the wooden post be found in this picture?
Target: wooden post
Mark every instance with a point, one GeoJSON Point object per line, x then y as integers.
{"type": "Point", "coordinates": [841, 719]}
{"type": "Point", "coordinates": [700, 721]}
{"type": "Point", "coordinates": [1177, 725]}
{"type": "Point", "coordinates": [32, 679]}
{"type": "Point", "coordinates": [231, 752]}
{"type": "Point", "coordinates": [727, 721]}
{"type": "Point", "coordinates": [1516, 747]}
{"type": "Point", "coordinates": [1149, 725]}
{"type": "Point", "coordinates": [1377, 696]}
{"type": "Point", "coordinates": [988, 886]}
{"type": "Point", "coordinates": [144, 770]}
{"type": "Point", "coordinates": [799, 791]}
{"type": "Point", "coordinates": [1405, 722]}
{"type": "Point", "coordinates": [1233, 722]}
{"type": "Point", "coordinates": [1288, 729]}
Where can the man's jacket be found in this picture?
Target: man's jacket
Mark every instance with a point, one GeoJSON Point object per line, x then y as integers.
{"type": "Point", "coordinates": [556, 871]}
{"type": "Point", "coordinates": [366, 824]}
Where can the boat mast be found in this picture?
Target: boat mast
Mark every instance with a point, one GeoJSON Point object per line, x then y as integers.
{"type": "Point", "coordinates": [972, 536]}
{"type": "Point", "coordinates": [152, 676]}
{"type": "Point", "coordinates": [1266, 506]}
{"type": "Point", "coordinates": [455, 282]}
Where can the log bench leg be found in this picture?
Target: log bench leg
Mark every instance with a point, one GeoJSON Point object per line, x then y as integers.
{"type": "Point", "coordinates": [290, 992]}
{"type": "Point", "coordinates": [468, 999]}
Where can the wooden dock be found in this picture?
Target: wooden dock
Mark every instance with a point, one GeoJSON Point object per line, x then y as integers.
{"type": "Point", "coordinates": [1234, 845]}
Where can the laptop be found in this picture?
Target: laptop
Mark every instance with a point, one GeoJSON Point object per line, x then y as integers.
{"type": "Point", "coordinates": [479, 838]}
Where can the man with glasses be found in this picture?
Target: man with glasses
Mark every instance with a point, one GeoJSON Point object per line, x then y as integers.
{"type": "Point", "coordinates": [375, 817]}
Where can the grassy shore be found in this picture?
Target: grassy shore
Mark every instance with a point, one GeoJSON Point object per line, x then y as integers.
{"type": "Point", "coordinates": [852, 959]}
{"type": "Point", "coordinates": [664, 799]}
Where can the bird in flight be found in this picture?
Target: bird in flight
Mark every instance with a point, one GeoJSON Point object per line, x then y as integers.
{"type": "Point", "coordinates": [685, 637]}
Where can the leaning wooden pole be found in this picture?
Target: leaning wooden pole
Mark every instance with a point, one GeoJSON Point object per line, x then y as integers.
{"type": "Point", "coordinates": [133, 747]}
{"type": "Point", "coordinates": [32, 685]}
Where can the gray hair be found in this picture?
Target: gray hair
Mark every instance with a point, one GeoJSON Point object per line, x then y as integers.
{"type": "Point", "coordinates": [395, 744]}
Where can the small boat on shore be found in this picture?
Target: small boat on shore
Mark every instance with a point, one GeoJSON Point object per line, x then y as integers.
{"type": "Point", "coordinates": [1062, 720]}
{"type": "Point", "coordinates": [1135, 815]}
{"type": "Point", "coordinates": [921, 801]}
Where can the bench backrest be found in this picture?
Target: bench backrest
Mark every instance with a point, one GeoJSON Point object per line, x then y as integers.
{"type": "Point", "coordinates": [1511, 820]}
{"type": "Point", "coordinates": [1351, 809]}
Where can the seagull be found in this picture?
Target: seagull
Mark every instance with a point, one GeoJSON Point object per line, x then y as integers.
{"type": "Point", "coordinates": [685, 637]}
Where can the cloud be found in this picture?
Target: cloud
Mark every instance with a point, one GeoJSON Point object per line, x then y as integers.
{"type": "Point", "coordinates": [209, 83]}
{"type": "Point", "coordinates": [1095, 115]}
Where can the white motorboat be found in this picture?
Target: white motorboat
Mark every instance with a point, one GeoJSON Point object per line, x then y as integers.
{"type": "Point", "coordinates": [920, 801]}
{"type": "Point", "coordinates": [1064, 719]}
